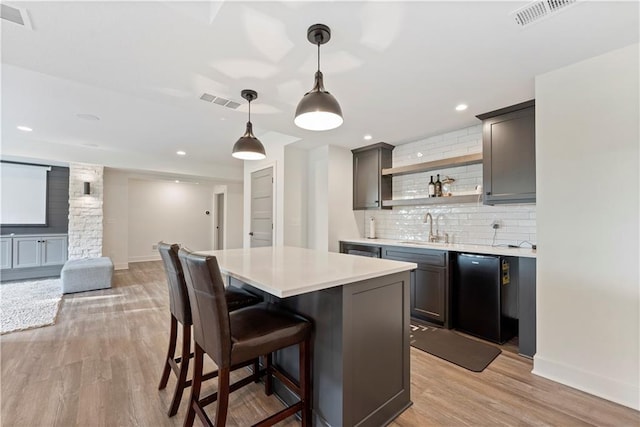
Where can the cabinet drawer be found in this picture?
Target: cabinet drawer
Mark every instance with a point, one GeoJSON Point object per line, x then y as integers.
{"type": "Point", "coordinates": [419, 256]}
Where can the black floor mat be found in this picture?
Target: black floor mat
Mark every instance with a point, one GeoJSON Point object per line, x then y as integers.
{"type": "Point", "coordinates": [450, 346]}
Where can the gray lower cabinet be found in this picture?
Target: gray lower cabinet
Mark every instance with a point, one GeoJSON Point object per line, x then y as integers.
{"type": "Point", "coordinates": [35, 251]}
{"type": "Point", "coordinates": [429, 293]}
{"type": "Point", "coordinates": [509, 154]}
{"type": "Point", "coordinates": [32, 256]}
{"type": "Point", "coordinates": [5, 252]}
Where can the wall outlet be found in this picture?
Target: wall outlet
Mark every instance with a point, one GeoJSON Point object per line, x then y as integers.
{"type": "Point", "coordinates": [495, 224]}
{"type": "Point", "coordinates": [154, 247]}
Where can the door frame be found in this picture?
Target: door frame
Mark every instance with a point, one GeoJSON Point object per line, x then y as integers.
{"type": "Point", "coordinates": [246, 241]}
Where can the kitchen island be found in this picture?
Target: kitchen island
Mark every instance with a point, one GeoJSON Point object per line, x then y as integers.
{"type": "Point", "coordinates": [360, 310]}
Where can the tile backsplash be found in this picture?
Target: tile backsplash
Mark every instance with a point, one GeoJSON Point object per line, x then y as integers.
{"type": "Point", "coordinates": [464, 222]}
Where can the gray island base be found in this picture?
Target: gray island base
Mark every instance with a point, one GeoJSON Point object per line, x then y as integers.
{"type": "Point", "coordinates": [360, 310]}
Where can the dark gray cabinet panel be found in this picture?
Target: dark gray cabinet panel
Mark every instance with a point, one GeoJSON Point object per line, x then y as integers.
{"type": "Point", "coordinates": [527, 306]}
{"type": "Point", "coordinates": [508, 150]}
{"type": "Point", "coordinates": [370, 187]}
{"type": "Point", "coordinates": [429, 282]}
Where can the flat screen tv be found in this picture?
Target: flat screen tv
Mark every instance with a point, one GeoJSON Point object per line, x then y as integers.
{"type": "Point", "coordinates": [23, 194]}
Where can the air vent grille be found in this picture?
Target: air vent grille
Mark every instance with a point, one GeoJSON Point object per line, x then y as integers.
{"type": "Point", "coordinates": [219, 100]}
{"type": "Point", "coordinates": [538, 10]}
{"type": "Point", "coordinates": [15, 15]}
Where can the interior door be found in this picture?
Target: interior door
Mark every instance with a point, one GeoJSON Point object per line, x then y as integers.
{"type": "Point", "coordinates": [219, 221]}
{"type": "Point", "coordinates": [262, 208]}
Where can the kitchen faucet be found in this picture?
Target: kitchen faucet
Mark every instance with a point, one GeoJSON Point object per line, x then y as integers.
{"type": "Point", "coordinates": [429, 218]}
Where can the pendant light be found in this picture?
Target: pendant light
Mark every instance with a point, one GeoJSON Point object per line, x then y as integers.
{"type": "Point", "coordinates": [248, 147]}
{"type": "Point", "coordinates": [318, 109]}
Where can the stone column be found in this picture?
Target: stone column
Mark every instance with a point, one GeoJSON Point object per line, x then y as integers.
{"type": "Point", "coordinates": [85, 211]}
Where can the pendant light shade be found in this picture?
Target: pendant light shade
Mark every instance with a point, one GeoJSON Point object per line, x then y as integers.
{"type": "Point", "coordinates": [318, 109]}
{"type": "Point", "coordinates": [248, 147]}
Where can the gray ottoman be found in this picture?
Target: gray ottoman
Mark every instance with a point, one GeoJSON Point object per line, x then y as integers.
{"type": "Point", "coordinates": [86, 274]}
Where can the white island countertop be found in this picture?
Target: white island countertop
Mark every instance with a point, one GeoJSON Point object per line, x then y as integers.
{"type": "Point", "coordinates": [454, 247]}
{"type": "Point", "coordinates": [285, 271]}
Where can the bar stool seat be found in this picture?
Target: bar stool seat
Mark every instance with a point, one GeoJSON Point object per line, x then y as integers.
{"type": "Point", "coordinates": [235, 339]}
{"type": "Point", "coordinates": [181, 314]}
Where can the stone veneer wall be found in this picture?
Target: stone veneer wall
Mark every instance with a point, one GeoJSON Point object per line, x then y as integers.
{"type": "Point", "coordinates": [465, 223]}
{"type": "Point", "coordinates": [85, 212]}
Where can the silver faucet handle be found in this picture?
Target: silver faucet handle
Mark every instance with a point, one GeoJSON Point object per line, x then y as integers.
{"type": "Point", "coordinates": [446, 237]}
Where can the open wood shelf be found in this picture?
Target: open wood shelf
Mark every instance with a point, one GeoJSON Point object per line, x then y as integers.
{"type": "Point", "coordinates": [470, 198]}
{"type": "Point", "coordinates": [468, 159]}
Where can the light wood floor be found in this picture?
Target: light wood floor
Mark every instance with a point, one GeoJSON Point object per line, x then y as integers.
{"type": "Point", "coordinates": [101, 362]}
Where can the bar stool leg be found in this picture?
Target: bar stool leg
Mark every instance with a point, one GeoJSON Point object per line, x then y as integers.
{"type": "Point", "coordinates": [173, 336]}
{"type": "Point", "coordinates": [268, 380]}
{"type": "Point", "coordinates": [223, 396]}
{"type": "Point", "coordinates": [184, 368]}
{"type": "Point", "coordinates": [305, 381]}
{"type": "Point", "coordinates": [195, 386]}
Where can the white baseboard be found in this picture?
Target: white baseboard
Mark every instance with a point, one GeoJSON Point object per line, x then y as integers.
{"type": "Point", "coordinates": [121, 266]}
{"type": "Point", "coordinates": [145, 258]}
{"type": "Point", "coordinates": [624, 393]}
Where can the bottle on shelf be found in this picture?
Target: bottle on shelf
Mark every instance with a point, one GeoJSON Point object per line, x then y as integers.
{"type": "Point", "coordinates": [438, 187]}
{"type": "Point", "coordinates": [432, 188]}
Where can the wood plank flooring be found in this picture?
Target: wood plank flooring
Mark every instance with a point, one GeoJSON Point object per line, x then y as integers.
{"type": "Point", "coordinates": [101, 363]}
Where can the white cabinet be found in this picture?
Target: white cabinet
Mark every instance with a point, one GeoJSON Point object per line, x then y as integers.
{"type": "Point", "coordinates": [5, 252]}
{"type": "Point", "coordinates": [39, 251]}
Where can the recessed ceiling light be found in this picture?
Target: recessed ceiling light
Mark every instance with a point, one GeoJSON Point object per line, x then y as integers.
{"type": "Point", "coordinates": [25, 128]}
{"type": "Point", "coordinates": [461, 107]}
{"type": "Point", "coordinates": [90, 117]}
{"type": "Point", "coordinates": [181, 153]}
{"type": "Point", "coordinates": [177, 182]}
{"type": "Point", "coordinates": [419, 154]}
{"type": "Point", "coordinates": [368, 137]}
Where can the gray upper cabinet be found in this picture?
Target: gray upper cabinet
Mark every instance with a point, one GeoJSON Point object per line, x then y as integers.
{"type": "Point", "coordinates": [370, 187]}
{"type": "Point", "coordinates": [508, 151]}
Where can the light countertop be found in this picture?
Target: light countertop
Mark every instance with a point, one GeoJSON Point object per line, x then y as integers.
{"type": "Point", "coordinates": [287, 271]}
{"type": "Point", "coordinates": [454, 247]}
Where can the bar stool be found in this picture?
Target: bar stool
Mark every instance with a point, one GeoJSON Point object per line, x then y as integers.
{"type": "Point", "coordinates": [234, 339]}
{"type": "Point", "coordinates": [181, 313]}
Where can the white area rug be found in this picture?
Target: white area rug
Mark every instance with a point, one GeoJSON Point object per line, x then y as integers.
{"type": "Point", "coordinates": [29, 304]}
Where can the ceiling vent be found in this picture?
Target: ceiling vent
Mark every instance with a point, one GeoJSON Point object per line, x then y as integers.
{"type": "Point", "coordinates": [539, 10]}
{"type": "Point", "coordinates": [15, 15]}
{"type": "Point", "coordinates": [219, 100]}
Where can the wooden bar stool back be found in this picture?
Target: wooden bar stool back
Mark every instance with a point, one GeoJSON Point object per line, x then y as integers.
{"type": "Point", "coordinates": [233, 339]}
{"type": "Point", "coordinates": [181, 314]}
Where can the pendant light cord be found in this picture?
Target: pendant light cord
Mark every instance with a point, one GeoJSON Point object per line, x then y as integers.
{"type": "Point", "coordinates": [318, 56]}
{"type": "Point", "coordinates": [249, 111]}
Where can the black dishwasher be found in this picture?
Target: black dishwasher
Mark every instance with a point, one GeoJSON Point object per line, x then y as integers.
{"type": "Point", "coordinates": [481, 287]}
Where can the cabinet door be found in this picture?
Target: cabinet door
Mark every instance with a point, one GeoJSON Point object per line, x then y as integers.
{"type": "Point", "coordinates": [53, 250]}
{"type": "Point", "coordinates": [428, 299]}
{"type": "Point", "coordinates": [429, 282]}
{"type": "Point", "coordinates": [5, 252]}
{"type": "Point", "coordinates": [26, 252]}
{"type": "Point", "coordinates": [366, 176]}
{"type": "Point", "coordinates": [509, 162]}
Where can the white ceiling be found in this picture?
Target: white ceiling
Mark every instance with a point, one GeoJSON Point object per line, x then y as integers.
{"type": "Point", "coordinates": [398, 70]}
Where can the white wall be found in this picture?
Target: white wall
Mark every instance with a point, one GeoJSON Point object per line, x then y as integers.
{"type": "Point", "coordinates": [169, 211]}
{"type": "Point", "coordinates": [141, 209]}
{"type": "Point", "coordinates": [233, 202]}
{"type": "Point", "coordinates": [116, 217]}
{"type": "Point", "coordinates": [318, 199]}
{"type": "Point", "coordinates": [295, 197]}
{"type": "Point", "coordinates": [587, 118]}
{"type": "Point", "coordinates": [343, 221]}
